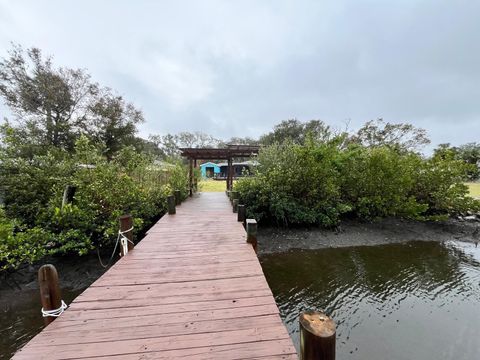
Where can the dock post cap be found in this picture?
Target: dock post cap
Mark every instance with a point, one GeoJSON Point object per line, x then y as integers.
{"type": "Point", "coordinates": [317, 336]}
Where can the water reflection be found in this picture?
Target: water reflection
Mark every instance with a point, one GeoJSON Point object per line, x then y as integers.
{"type": "Point", "coordinates": [418, 300]}
{"type": "Point", "coordinates": [21, 319]}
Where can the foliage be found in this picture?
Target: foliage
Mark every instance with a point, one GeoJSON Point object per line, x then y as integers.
{"type": "Point", "coordinates": [319, 182]}
{"type": "Point", "coordinates": [401, 136]}
{"type": "Point", "coordinates": [130, 183]}
{"type": "Point", "coordinates": [469, 153]}
{"type": "Point", "coordinates": [53, 107]}
{"type": "Point", "coordinates": [296, 132]}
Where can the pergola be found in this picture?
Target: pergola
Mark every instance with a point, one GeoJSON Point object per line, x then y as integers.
{"type": "Point", "coordinates": [228, 153]}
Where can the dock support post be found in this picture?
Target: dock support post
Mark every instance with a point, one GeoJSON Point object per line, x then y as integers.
{"type": "Point", "coordinates": [317, 336]}
{"type": "Point", "coordinates": [171, 204]}
{"type": "Point", "coordinates": [235, 205]}
{"type": "Point", "coordinates": [252, 233]}
{"type": "Point", "coordinates": [241, 213]}
{"type": "Point", "coordinates": [50, 294]}
{"type": "Point", "coordinates": [178, 197]}
{"type": "Point", "coordinates": [126, 228]}
{"type": "Point", "coordinates": [68, 194]}
{"type": "Point", "coordinates": [190, 177]}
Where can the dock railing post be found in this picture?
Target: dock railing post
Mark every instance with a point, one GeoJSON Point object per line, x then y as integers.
{"type": "Point", "coordinates": [171, 204]}
{"type": "Point", "coordinates": [50, 294]}
{"type": "Point", "coordinates": [178, 197]}
{"type": "Point", "coordinates": [317, 336]}
{"type": "Point", "coordinates": [241, 213]}
{"type": "Point", "coordinates": [126, 230]}
{"type": "Point", "coordinates": [235, 205]}
{"type": "Point", "coordinates": [252, 233]}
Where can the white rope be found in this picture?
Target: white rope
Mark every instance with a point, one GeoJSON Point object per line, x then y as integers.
{"type": "Point", "coordinates": [124, 240]}
{"type": "Point", "coordinates": [55, 312]}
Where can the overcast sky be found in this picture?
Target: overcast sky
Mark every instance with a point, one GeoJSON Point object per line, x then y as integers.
{"type": "Point", "coordinates": [236, 68]}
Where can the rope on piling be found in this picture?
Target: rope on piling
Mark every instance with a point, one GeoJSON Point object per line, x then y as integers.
{"type": "Point", "coordinates": [55, 312]}
{"type": "Point", "coordinates": [123, 240]}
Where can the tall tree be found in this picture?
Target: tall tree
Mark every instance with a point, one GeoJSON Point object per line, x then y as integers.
{"type": "Point", "coordinates": [113, 122]}
{"type": "Point", "coordinates": [297, 132]}
{"type": "Point", "coordinates": [49, 104]}
{"type": "Point", "coordinates": [402, 135]}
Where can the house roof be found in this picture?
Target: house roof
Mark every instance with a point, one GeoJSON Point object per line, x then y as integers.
{"type": "Point", "coordinates": [223, 153]}
{"type": "Point", "coordinates": [209, 163]}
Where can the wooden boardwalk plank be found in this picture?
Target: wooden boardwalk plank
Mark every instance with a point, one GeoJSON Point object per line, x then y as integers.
{"type": "Point", "coordinates": [191, 288]}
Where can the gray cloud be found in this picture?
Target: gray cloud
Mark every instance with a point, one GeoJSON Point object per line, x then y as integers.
{"type": "Point", "coordinates": [236, 68]}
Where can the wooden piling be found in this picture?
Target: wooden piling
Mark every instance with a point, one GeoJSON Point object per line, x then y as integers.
{"type": "Point", "coordinates": [235, 205]}
{"type": "Point", "coordinates": [50, 294]}
{"type": "Point", "coordinates": [252, 233]}
{"type": "Point", "coordinates": [317, 336]}
{"type": "Point", "coordinates": [126, 223]}
{"type": "Point", "coordinates": [178, 197]}
{"type": "Point", "coordinates": [241, 213]}
{"type": "Point", "coordinates": [68, 194]}
{"type": "Point", "coordinates": [171, 204]}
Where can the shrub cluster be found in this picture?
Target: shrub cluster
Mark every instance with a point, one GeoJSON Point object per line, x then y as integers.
{"type": "Point", "coordinates": [34, 224]}
{"type": "Point", "coordinates": [318, 183]}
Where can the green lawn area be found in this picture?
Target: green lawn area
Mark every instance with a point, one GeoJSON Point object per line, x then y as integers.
{"type": "Point", "coordinates": [474, 189]}
{"type": "Point", "coordinates": [212, 185]}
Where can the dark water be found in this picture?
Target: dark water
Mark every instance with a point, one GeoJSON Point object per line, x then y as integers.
{"type": "Point", "coordinates": [418, 300]}
{"type": "Point", "coordinates": [20, 318]}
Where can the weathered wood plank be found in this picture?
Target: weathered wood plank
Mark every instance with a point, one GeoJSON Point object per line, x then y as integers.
{"type": "Point", "coordinates": [192, 288]}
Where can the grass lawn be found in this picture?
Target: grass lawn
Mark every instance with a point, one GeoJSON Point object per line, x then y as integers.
{"type": "Point", "coordinates": [474, 189]}
{"type": "Point", "coordinates": [212, 185]}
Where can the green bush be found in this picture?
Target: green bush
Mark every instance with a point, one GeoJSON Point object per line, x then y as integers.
{"type": "Point", "coordinates": [129, 184]}
{"type": "Point", "coordinates": [318, 183]}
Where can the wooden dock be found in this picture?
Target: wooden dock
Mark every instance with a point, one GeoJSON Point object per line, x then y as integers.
{"type": "Point", "coordinates": [192, 288]}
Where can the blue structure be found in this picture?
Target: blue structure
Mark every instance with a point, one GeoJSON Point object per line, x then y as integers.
{"type": "Point", "coordinates": [209, 170]}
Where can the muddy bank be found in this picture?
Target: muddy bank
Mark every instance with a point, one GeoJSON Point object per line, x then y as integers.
{"type": "Point", "coordinates": [358, 233]}
{"type": "Point", "coordinates": [74, 273]}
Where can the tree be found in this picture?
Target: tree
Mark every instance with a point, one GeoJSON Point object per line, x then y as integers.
{"type": "Point", "coordinates": [297, 132]}
{"type": "Point", "coordinates": [402, 136]}
{"type": "Point", "coordinates": [48, 104]}
{"type": "Point", "coordinates": [469, 153]}
{"type": "Point", "coordinates": [113, 122]}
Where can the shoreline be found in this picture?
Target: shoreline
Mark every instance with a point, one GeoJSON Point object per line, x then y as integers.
{"type": "Point", "coordinates": [360, 233]}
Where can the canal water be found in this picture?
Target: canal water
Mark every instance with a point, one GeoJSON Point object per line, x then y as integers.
{"type": "Point", "coordinates": [21, 318]}
{"type": "Point", "coordinates": [418, 300]}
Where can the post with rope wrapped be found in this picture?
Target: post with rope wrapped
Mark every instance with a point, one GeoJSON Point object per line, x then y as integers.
{"type": "Point", "coordinates": [50, 295]}
{"type": "Point", "coordinates": [126, 234]}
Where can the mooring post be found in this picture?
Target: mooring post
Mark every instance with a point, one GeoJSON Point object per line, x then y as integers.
{"type": "Point", "coordinates": [234, 195]}
{"type": "Point", "coordinates": [178, 197]}
{"type": "Point", "coordinates": [235, 205]}
{"type": "Point", "coordinates": [171, 204]}
{"type": "Point", "coordinates": [68, 194]}
{"type": "Point", "coordinates": [241, 213]}
{"type": "Point", "coordinates": [50, 294]}
{"type": "Point", "coordinates": [126, 229]}
{"type": "Point", "coordinates": [252, 233]}
{"type": "Point", "coordinates": [317, 336]}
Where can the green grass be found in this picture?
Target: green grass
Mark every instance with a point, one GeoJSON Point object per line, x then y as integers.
{"type": "Point", "coordinates": [474, 189]}
{"type": "Point", "coordinates": [212, 185]}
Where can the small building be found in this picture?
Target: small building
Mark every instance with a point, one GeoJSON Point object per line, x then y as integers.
{"type": "Point", "coordinates": [209, 170]}
{"type": "Point", "coordinates": [239, 169]}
